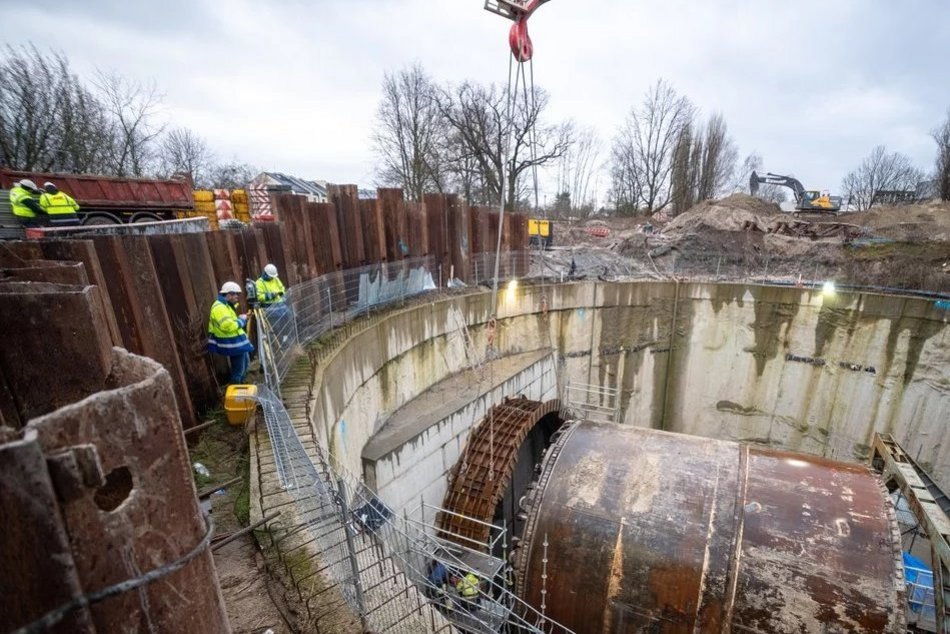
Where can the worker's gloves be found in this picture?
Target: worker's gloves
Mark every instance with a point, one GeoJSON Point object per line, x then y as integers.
{"type": "Point", "coordinates": [242, 321]}
{"type": "Point", "coordinates": [269, 297]}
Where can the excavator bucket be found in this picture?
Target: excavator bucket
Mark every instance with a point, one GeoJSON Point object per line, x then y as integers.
{"type": "Point", "coordinates": [754, 183]}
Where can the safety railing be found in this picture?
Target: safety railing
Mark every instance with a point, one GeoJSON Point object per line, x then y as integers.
{"type": "Point", "coordinates": [380, 563]}
{"type": "Point", "coordinates": [310, 309]}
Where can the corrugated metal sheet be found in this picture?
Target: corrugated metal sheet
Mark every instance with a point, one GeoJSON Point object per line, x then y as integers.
{"type": "Point", "coordinates": [296, 185]}
{"type": "Point", "coordinates": [111, 192]}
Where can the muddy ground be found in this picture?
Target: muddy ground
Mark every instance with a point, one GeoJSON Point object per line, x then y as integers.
{"type": "Point", "coordinates": [255, 602]}
{"type": "Point", "coordinates": [744, 238]}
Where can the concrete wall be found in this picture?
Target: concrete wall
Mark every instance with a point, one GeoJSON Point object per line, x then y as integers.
{"type": "Point", "coordinates": [787, 367]}
{"type": "Point", "coordinates": [417, 470]}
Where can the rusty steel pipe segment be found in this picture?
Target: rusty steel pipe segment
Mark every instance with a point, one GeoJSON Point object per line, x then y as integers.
{"type": "Point", "coordinates": [649, 531]}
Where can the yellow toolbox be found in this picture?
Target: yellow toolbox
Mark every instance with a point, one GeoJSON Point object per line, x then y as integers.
{"type": "Point", "coordinates": [240, 403]}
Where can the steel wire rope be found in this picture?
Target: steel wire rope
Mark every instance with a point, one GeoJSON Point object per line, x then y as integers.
{"type": "Point", "coordinates": [56, 615]}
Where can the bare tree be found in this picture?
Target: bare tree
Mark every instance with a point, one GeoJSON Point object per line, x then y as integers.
{"type": "Point", "coordinates": [410, 134]}
{"type": "Point", "coordinates": [718, 162]}
{"type": "Point", "coordinates": [575, 174]}
{"type": "Point", "coordinates": [231, 175]}
{"type": "Point", "coordinates": [133, 109]}
{"type": "Point", "coordinates": [767, 191]}
{"type": "Point", "coordinates": [879, 171]}
{"type": "Point", "coordinates": [683, 171]}
{"type": "Point", "coordinates": [643, 150]}
{"type": "Point", "coordinates": [942, 174]}
{"type": "Point", "coordinates": [29, 109]}
{"type": "Point", "coordinates": [481, 128]}
{"type": "Point", "coordinates": [184, 152]}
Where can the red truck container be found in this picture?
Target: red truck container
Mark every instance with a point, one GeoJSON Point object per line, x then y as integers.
{"type": "Point", "coordinates": [115, 200]}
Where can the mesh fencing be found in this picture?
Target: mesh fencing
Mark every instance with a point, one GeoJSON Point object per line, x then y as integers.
{"type": "Point", "coordinates": [361, 554]}
{"type": "Point", "coordinates": [317, 306]}
{"type": "Point", "coordinates": [376, 562]}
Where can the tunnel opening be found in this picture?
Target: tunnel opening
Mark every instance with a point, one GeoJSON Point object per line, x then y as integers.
{"type": "Point", "coordinates": [508, 515]}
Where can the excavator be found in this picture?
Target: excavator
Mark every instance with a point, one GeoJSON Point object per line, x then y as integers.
{"type": "Point", "coordinates": [805, 199]}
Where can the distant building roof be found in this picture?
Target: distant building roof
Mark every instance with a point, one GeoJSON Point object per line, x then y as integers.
{"type": "Point", "coordinates": [296, 185]}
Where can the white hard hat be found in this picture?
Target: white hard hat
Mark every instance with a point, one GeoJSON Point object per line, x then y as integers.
{"type": "Point", "coordinates": [26, 182]}
{"type": "Point", "coordinates": [230, 287]}
{"type": "Point", "coordinates": [270, 270]}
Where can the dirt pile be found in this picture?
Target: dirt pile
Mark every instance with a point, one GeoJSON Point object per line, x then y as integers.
{"type": "Point", "coordinates": [923, 222]}
{"type": "Point", "coordinates": [739, 212]}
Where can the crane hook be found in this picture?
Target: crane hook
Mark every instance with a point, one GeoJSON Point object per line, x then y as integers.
{"type": "Point", "coordinates": [518, 38]}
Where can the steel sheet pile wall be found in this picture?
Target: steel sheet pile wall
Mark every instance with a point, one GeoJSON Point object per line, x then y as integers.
{"type": "Point", "coordinates": [98, 484]}
{"type": "Point", "coordinates": [632, 529]}
{"type": "Point", "coordinates": [155, 291]}
{"type": "Point", "coordinates": [348, 232]}
{"type": "Point", "coordinates": [345, 200]}
{"type": "Point", "coordinates": [437, 230]}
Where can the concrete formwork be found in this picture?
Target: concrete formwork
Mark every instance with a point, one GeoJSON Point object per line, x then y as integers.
{"type": "Point", "coordinates": [125, 502]}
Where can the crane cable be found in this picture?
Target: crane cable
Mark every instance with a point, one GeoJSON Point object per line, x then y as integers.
{"type": "Point", "coordinates": [522, 51]}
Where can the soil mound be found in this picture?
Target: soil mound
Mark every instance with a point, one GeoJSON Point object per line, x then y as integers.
{"type": "Point", "coordinates": [922, 222]}
{"type": "Point", "coordinates": [739, 212]}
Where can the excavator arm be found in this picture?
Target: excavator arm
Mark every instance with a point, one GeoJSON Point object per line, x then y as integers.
{"type": "Point", "coordinates": [805, 200]}
{"type": "Point", "coordinates": [777, 179]}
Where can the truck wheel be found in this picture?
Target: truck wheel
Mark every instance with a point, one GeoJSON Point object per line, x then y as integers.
{"type": "Point", "coordinates": [145, 217]}
{"type": "Point", "coordinates": [92, 221]}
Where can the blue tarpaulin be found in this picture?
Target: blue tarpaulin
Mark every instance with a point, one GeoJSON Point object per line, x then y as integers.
{"type": "Point", "coordinates": [920, 586]}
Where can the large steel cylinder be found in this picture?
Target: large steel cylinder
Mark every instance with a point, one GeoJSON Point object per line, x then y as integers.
{"type": "Point", "coordinates": [638, 530]}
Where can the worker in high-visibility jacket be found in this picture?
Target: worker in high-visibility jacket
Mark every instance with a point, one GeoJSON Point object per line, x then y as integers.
{"type": "Point", "coordinates": [270, 290]}
{"type": "Point", "coordinates": [469, 591]}
{"type": "Point", "coordinates": [60, 206]}
{"type": "Point", "coordinates": [24, 199]}
{"type": "Point", "coordinates": [226, 334]}
{"type": "Point", "coordinates": [277, 320]}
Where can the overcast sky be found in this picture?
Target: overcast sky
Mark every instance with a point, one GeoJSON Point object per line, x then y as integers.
{"type": "Point", "coordinates": [811, 85]}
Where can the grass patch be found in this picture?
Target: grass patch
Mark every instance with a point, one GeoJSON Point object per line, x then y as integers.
{"type": "Point", "coordinates": [223, 450]}
{"type": "Point", "coordinates": [242, 499]}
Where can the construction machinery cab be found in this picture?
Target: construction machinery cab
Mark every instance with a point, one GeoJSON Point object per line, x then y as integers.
{"type": "Point", "coordinates": [540, 232]}
{"type": "Point", "coordinates": [805, 199]}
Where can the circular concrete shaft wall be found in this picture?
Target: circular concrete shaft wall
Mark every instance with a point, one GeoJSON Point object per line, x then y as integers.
{"type": "Point", "coordinates": [653, 531]}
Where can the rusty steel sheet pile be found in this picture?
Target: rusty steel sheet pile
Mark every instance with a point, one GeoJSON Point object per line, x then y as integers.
{"type": "Point", "coordinates": [102, 529]}
{"type": "Point", "coordinates": [636, 530]}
